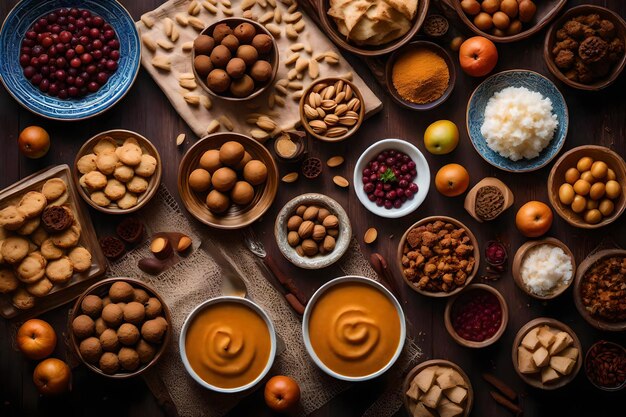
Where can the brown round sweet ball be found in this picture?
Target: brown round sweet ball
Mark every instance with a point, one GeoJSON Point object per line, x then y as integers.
{"type": "Point", "coordinates": [220, 56]}
{"type": "Point", "coordinates": [242, 193]}
{"type": "Point", "coordinates": [262, 43]}
{"type": "Point", "coordinates": [248, 53]}
{"type": "Point", "coordinates": [92, 305]}
{"type": "Point", "coordinates": [112, 315]}
{"type": "Point", "coordinates": [153, 308]}
{"type": "Point", "coordinates": [246, 158]}
{"type": "Point", "coordinates": [242, 87]}
{"type": "Point", "coordinates": [153, 330]}
{"type": "Point", "coordinates": [129, 359]}
{"type": "Point", "coordinates": [261, 71]}
{"type": "Point", "coordinates": [224, 179]}
{"type": "Point", "coordinates": [162, 320]}
{"type": "Point", "coordinates": [145, 351]}
{"type": "Point", "coordinates": [109, 363]}
{"type": "Point", "coordinates": [255, 172]}
{"type": "Point", "coordinates": [100, 326]}
{"type": "Point", "coordinates": [200, 180]}
{"type": "Point", "coordinates": [221, 31]}
{"type": "Point", "coordinates": [210, 160]}
{"type": "Point", "coordinates": [83, 326]}
{"type": "Point", "coordinates": [203, 45]}
{"type": "Point", "coordinates": [236, 68]}
{"type": "Point", "coordinates": [134, 312]}
{"type": "Point", "coordinates": [121, 291]}
{"type": "Point", "coordinates": [109, 341]}
{"type": "Point", "coordinates": [217, 202]}
{"type": "Point", "coordinates": [203, 65]}
{"type": "Point", "coordinates": [141, 296]}
{"type": "Point", "coordinates": [90, 350]}
{"type": "Point", "coordinates": [231, 152]}
{"type": "Point", "coordinates": [231, 42]}
{"type": "Point", "coordinates": [245, 32]}
{"type": "Point", "coordinates": [128, 334]}
{"type": "Point", "coordinates": [218, 81]}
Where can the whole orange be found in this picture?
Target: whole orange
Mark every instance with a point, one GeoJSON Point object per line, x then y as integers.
{"type": "Point", "coordinates": [534, 219]}
{"type": "Point", "coordinates": [478, 56]}
{"type": "Point", "coordinates": [282, 393]}
{"type": "Point", "coordinates": [452, 180]}
{"type": "Point", "coordinates": [36, 339]}
{"type": "Point", "coordinates": [52, 377]}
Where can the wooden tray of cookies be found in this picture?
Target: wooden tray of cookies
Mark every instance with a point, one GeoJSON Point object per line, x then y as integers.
{"type": "Point", "coordinates": [59, 293]}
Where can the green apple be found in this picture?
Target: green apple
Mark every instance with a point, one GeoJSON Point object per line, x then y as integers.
{"type": "Point", "coordinates": [441, 137]}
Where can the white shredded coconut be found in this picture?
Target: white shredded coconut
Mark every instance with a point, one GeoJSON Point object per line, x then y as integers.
{"type": "Point", "coordinates": [545, 268]}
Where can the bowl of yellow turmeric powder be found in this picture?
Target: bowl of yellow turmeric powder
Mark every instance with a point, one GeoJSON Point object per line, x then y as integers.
{"type": "Point", "coordinates": [420, 75]}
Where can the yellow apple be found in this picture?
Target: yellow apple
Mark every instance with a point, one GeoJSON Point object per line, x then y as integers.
{"type": "Point", "coordinates": [441, 137]}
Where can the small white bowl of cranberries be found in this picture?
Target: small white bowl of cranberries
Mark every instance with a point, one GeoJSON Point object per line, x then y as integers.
{"type": "Point", "coordinates": [391, 178]}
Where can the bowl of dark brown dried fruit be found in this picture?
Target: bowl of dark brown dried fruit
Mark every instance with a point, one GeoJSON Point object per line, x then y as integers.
{"type": "Point", "coordinates": [584, 48]}
{"type": "Point", "coordinates": [600, 290]}
{"type": "Point", "coordinates": [605, 365]}
{"type": "Point", "coordinates": [438, 256]}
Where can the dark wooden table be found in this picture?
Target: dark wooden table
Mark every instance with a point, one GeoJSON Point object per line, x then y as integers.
{"type": "Point", "coordinates": [598, 118]}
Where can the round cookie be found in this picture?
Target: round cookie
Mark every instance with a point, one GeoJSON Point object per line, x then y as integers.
{"type": "Point", "coordinates": [29, 226]}
{"type": "Point", "coordinates": [11, 218]}
{"type": "Point", "coordinates": [38, 236]}
{"type": "Point", "coordinates": [40, 288]}
{"type": "Point", "coordinates": [87, 163]}
{"type": "Point", "coordinates": [123, 173]}
{"type": "Point", "coordinates": [81, 259]}
{"type": "Point", "coordinates": [106, 144]}
{"type": "Point", "coordinates": [128, 201]}
{"type": "Point", "coordinates": [147, 166]}
{"type": "Point", "coordinates": [8, 281]}
{"type": "Point", "coordinates": [67, 239]}
{"type": "Point", "coordinates": [32, 268]}
{"type": "Point", "coordinates": [50, 251]}
{"type": "Point", "coordinates": [100, 199]}
{"type": "Point", "coordinates": [114, 189]}
{"type": "Point", "coordinates": [14, 249]}
{"type": "Point", "coordinates": [53, 189]}
{"type": "Point", "coordinates": [106, 162]}
{"type": "Point", "coordinates": [137, 185]}
{"type": "Point", "coordinates": [32, 204]}
{"type": "Point", "coordinates": [60, 271]}
{"type": "Point", "coordinates": [94, 180]}
{"type": "Point", "coordinates": [22, 300]}
{"type": "Point", "coordinates": [129, 154]}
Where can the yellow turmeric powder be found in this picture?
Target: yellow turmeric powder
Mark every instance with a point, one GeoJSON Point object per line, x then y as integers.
{"type": "Point", "coordinates": [420, 75]}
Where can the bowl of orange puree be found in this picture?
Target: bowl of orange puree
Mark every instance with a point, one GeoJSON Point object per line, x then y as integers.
{"type": "Point", "coordinates": [227, 344]}
{"type": "Point", "coordinates": [353, 328]}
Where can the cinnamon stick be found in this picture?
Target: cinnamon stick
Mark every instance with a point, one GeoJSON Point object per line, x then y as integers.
{"type": "Point", "coordinates": [506, 403]}
{"type": "Point", "coordinates": [501, 386]}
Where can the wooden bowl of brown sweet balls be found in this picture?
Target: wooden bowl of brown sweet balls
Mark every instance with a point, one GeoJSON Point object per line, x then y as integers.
{"type": "Point", "coordinates": [120, 327]}
{"type": "Point", "coordinates": [235, 59]}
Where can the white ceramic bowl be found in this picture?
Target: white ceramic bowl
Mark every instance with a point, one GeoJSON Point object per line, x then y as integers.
{"type": "Point", "coordinates": [422, 180]}
{"type": "Point", "coordinates": [183, 335]}
{"type": "Point", "coordinates": [307, 316]}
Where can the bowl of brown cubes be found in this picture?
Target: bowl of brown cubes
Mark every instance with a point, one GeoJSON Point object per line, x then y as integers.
{"type": "Point", "coordinates": [312, 231]}
{"type": "Point", "coordinates": [235, 59]}
{"type": "Point", "coordinates": [438, 256]}
{"type": "Point", "coordinates": [120, 327]}
{"type": "Point", "coordinates": [332, 109]}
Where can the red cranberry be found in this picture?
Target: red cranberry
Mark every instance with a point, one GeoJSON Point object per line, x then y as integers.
{"type": "Point", "coordinates": [103, 77]}
{"type": "Point", "coordinates": [86, 58]}
{"type": "Point", "coordinates": [114, 55]}
{"type": "Point", "coordinates": [111, 65]}
{"type": "Point", "coordinates": [60, 75]}
{"type": "Point", "coordinates": [24, 60]}
{"type": "Point", "coordinates": [93, 86]}
{"type": "Point", "coordinates": [75, 63]}
{"type": "Point", "coordinates": [70, 53]}
{"type": "Point", "coordinates": [29, 72]}
{"type": "Point", "coordinates": [80, 49]}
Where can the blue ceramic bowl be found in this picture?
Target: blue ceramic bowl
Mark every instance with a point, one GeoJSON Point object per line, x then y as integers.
{"type": "Point", "coordinates": [15, 26]}
{"type": "Point", "coordinates": [515, 78]}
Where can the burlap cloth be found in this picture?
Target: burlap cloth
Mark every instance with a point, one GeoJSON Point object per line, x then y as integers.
{"type": "Point", "coordinates": [198, 277]}
{"type": "Point", "coordinates": [197, 116]}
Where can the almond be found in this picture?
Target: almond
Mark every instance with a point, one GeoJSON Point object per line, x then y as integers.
{"type": "Point", "coordinates": [335, 161]}
{"type": "Point", "coordinates": [309, 247]}
{"type": "Point", "coordinates": [161, 62]}
{"type": "Point", "coordinates": [311, 213]}
{"type": "Point", "coordinates": [370, 235]}
{"type": "Point", "coordinates": [306, 229]}
{"type": "Point", "coordinates": [180, 139]}
{"type": "Point", "coordinates": [291, 177]}
{"type": "Point", "coordinates": [294, 222]}
{"type": "Point", "coordinates": [293, 239]}
{"type": "Point", "coordinates": [184, 243]}
{"type": "Point", "coordinates": [329, 243]}
{"type": "Point", "coordinates": [213, 127]}
{"type": "Point", "coordinates": [331, 222]}
{"type": "Point", "coordinates": [149, 42]}
{"type": "Point", "coordinates": [341, 181]}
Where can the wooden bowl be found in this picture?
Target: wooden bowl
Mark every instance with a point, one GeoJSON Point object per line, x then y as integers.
{"type": "Point", "coordinates": [457, 223]}
{"type": "Point", "coordinates": [236, 217]}
{"type": "Point", "coordinates": [433, 47]}
{"type": "Point", "coordinates": [233, 22]}
{"type": "Point", "coordinates": [101, 288]}
{"type": "Point", "coordinates": [470, 197]}
{"type": "Point", "coordinates": [519, 258]}
{"type": "Point", "coordinates": [330, 28]}
{"type": "Point", "coordinates": [120, 135]}
{"type": "Point", "coordinates": [330, 81]}
{"type": "Point", "coordinates": [580, 273]}
{"type": "Point", "coordinates": [588, 365]}
{"type": "Point", "coordinates": [536, 382]}
{"type": "Point", "coordinates": [568, 160]}
{"type": "Point", "coordinates": [550, 41]}
{"type": "Point", "coordinates": [546, 11]}
{"type": "Point", "coordinates": [437, 362]}
{"type": "Point", "coordinates": [469, 343]}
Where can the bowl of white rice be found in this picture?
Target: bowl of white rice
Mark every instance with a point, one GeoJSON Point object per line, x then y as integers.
{"type": "Point", "coordinates": [517, 120]}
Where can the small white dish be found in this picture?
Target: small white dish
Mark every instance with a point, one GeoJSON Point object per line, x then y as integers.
{"type": "Point", "coordinates": [227, 299]}
{"type": "Point", "coordinates": [422, 180]}
{"type": "Point", "coordinates": [307, 316]}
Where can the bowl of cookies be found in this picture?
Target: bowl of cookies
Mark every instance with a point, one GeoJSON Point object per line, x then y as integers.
{"type": "Point", "coordinates": [117, 171]}
{"type": "Point", "coordinates": [312, 231]}
{"type": "Point", "coordinates": [235, 59]}
{"type": "Point", "coordinates": [431, 242]}
{"type": "Point", "coordinates": [120, 327]}
{"type": "Point", "coordinates": [227, 180]}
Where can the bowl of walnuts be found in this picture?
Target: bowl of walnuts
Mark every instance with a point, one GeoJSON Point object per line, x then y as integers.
{"type": "Point", "coordinates": [120, 327]}
{"type": "Point", "coordinates": [312, 231]}
{"type": "Point", "coordinates": [235, 59]}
